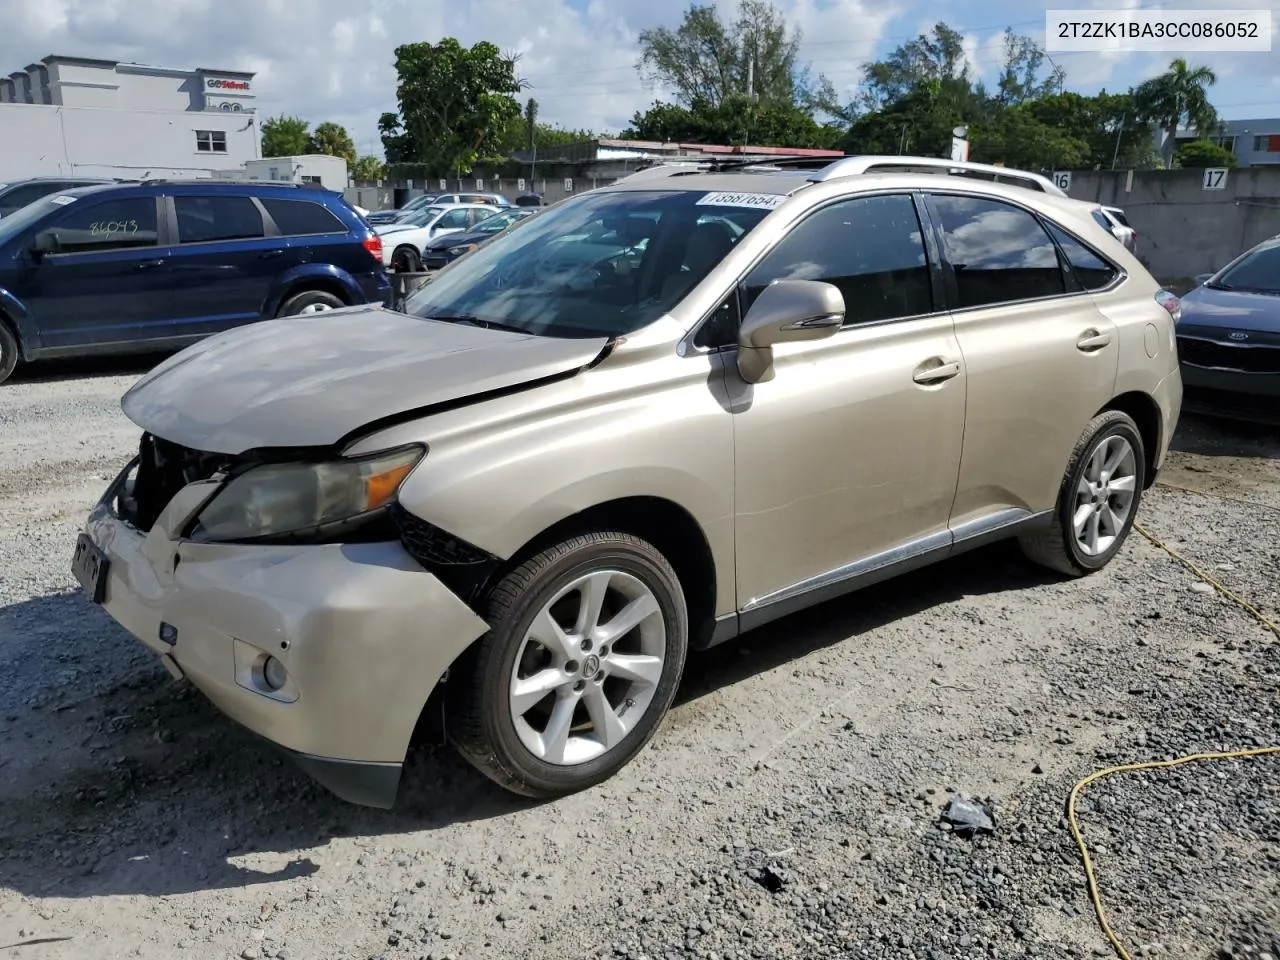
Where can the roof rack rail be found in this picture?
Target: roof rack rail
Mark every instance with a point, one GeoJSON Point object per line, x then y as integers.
{"type": "Point", "coordinates": [853, 166]}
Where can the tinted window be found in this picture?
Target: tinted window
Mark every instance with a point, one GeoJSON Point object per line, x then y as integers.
{"type": "Point", "coordinates": [302, 217]}
{"type": "Point", "coordinates": [1090, 269]}
{"type": "Point", "coordinates": [19, 197]}
{"type": "Point", "coordinates": [108, 226]}
{"type": "Point", "coordinates": [454, 219]}
{"type": "Point", "coordinates": [1101, 220]}
{"type": "Point", "coordinates": [1120, 218]}
{"type": "Point", "coordinates": [205, 219]}
{"type": "Point", "coordinates": [870, 247]}
{"type": "Point", "coordinates": [999, 252]}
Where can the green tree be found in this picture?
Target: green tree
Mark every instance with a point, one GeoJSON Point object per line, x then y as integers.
{"type": "Point", "coordinates": [285, 137]}
{"type": "Point", "coordinates": [1178, 97]}
{"type": "Point", "coordinates": [455, 102]}
{"type": "Point", "coordinates": [1108, 122]}
{"type": "Point", "coordinates": [1203, 153]}
{"type": "Point", "coordinates": [368, 170]}
{"type": "Point", "coordinates": [332, 139]}
{"type": "Point", "coordinates": [936, 59]}
{"type": "Point", "coordinates": [1020, 79]}
{"type": "Point", "coordinates": [708, 61]}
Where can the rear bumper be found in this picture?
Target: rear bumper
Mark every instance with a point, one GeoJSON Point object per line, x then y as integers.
{"type": "Point", "coordinates": [363, 632]}
{"type": "Point", "coordinates": [377, 288]}
{"type": "Point", "coordinates": [1168, 397]}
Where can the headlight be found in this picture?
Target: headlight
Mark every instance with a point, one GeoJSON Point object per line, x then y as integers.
{"type": "Point", "coordinates": [304, 499]}
{"type": "Point", "coordinates": [460, 249]}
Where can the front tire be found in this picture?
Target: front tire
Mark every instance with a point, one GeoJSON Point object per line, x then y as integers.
{"type": "Point", "coordinates": [587, 644]}
{"type": "Point", "coordinates": [1098, 500]}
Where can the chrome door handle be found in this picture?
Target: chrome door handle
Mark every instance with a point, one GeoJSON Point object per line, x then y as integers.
{"type": "Point", "coordinates": [267, 254]}
{"type": "Point", "coordinates": [1092, 340]}
{"type": "Point", "coordinates": [936, 373]}
{"type": "Point", "coordinates": [149, 264]}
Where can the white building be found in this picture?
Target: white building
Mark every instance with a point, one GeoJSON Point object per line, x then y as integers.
{"type": "Point", "coordinates": [76, 115]}
{"type": "Point", "coordinates": [314, 168]}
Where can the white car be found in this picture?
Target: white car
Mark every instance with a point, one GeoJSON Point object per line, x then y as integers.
{"type": "Point", "coordinates": [402, 241]}
{"type": "Point", "coordinates": [1113, 220]}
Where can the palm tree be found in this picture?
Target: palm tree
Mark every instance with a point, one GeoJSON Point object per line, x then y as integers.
{"type": "Point", "coordinates": [1178, 98]}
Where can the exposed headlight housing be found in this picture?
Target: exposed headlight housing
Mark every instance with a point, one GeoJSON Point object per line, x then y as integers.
{"type": "Point", "coordinates": [304, 501]}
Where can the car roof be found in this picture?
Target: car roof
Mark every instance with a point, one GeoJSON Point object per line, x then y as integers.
{"type": "Point", "coordinates": [233, 187]}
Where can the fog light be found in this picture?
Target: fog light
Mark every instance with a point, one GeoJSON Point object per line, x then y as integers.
{"type": "Point", "coordinates": [273, 673]}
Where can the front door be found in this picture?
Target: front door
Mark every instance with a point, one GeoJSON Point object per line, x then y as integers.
{"type": "Point", "coordinates": [846, 459]}
{"type": "Point", "coordinates": [108, 280]}
{"type": "Point", "coordinates": [224, 264]}
{"type": "Point", "coordinates": [1041, 357]}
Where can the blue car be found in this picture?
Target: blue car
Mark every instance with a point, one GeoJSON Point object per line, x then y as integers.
{"type": "Point", "coordinates": [159, 265]}
{"type": "Point", "coordinates": [1229, 339]}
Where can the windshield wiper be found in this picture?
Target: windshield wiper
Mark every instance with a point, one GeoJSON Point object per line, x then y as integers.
{"type": "Point", "coordinates": [472, 321]}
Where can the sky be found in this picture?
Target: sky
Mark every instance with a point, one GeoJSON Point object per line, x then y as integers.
{"type": "Point", "coordinates": [334, 59]}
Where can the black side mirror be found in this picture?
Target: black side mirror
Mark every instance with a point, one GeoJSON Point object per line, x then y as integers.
{"type": "Point", "coordinates": [46, 242]}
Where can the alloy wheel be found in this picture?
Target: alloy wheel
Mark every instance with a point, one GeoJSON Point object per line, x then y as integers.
{"type": "Point", "coordinates": [1105, 495]}
{"type": "Point", "coordinates": [587, 668]}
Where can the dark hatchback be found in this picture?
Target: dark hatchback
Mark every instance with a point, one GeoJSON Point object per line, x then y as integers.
{"type": "Point", "coordinates": [1229, 339]}
{"type": "Point", "coordinates": [159, 265]}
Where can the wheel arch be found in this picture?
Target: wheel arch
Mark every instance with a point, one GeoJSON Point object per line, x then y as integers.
{"type": "Point", "coordinates": [324, 277]}
{"type": "Point", "coordinates": [671, 528]}
{"type": "Point", "coordinates": [19, 322]}
{"type": "Point", "coordinates": [1145, 412]}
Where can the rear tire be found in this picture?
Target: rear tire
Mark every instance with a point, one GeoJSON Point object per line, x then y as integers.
{"type": "Point", "coordinates": [8, 352]}
{"type": "Point", "coordinates": [406, 260]}
{"type": "Point", "coordinates": [310, 301]}
{"type": "Point", "coordinates": [551, 700]}
{"type": "Point", "coordinates": [1097, 502]}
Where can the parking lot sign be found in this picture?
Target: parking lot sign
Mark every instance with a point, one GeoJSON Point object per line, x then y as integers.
{"type": "Point", "coordinates": [1062, 179]}
{"type": "Point", "coordinates": [568, 184]}
{"type": "Point", "coordinates": [444, 185]}
{"type": "Point", "coordinates": [479, 183]}
{"type": "Point", "coordinates": [520, 185]}
{"type": "Point", "coordinates": [1215, 178]}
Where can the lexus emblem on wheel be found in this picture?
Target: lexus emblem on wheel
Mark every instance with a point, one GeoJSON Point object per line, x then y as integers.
{"type": "Point", "coordinates": [1238, 335]}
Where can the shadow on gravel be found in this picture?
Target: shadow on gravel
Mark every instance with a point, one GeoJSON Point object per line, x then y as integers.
{"type": "Point", "coordinates": [143, 788]}
{"type": "Point", "coordinates": [1214, 437]}
{"type": "Point", "coordinates": [995, 569]}
{"type": "Point", "coordinates": [81, 368]}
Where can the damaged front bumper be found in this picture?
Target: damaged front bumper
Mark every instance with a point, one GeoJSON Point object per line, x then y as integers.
{"type": "Point", "coordinates": [360, 634]}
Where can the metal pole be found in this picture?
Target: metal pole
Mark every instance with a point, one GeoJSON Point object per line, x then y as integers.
{"type": "Point", "coordinates": [1119, 133]}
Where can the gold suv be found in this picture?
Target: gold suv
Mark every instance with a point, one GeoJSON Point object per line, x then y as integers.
{"type": "Point", "coordinates": [658, 415]}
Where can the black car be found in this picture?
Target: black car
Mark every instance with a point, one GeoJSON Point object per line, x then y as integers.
{"type": "Point", "coordinates": [16, 194]}
{"type": "Point", "coordinates": [1229, 338]}
{"type": "Point", "coordinates": [442, 251]}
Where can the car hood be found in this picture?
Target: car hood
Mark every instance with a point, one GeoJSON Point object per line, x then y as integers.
{"type": "Point", "coordinates": [1225, 310]}
{"type": "Point", "coordinates": [382, 229]}
{"type": "Point", "coordinates": [310, 381]}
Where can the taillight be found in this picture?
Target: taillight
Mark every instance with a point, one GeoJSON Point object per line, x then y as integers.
{"type": "Point", "coordinates": [373, 243]}
{"type": "Point", "coordinates": [1170, 302]}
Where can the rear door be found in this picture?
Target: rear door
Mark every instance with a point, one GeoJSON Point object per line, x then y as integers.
{"type": "Point", "coordinates": [1041, 358]}
{"type": "Point", "coordinates": [224, 261]}
{"type": "Point", "coordinates": [109, 281]}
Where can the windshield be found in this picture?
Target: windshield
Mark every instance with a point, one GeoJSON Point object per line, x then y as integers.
{"type": "Point", "coordinates": [499, 221]}
{"type": "Point", "coordinates": [420, 218]}
{"type": "Point", "coordinates": [417, 203]}
{"type": "Point", "coordinates": [24, 217]}
{"type": "Point", "coordinates": [602, 264]}
{"type": "Point", "coordinates": [1257, 272]}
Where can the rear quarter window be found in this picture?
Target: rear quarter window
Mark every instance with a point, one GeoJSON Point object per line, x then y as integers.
{"type": "Point", "coordinates": [1091, 270]}
{"type": "Point", "coordinates": [302, 217]}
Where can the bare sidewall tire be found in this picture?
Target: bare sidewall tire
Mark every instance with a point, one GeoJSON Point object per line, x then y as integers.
{"type": "Point", "coordinates": [1062, 547]}
{"type": "Point", "coordinates": [8, 352]}
{"type": "Point", "coordinates": [311, 301]}
{"type": "Point", "coordinates": [483, 723]}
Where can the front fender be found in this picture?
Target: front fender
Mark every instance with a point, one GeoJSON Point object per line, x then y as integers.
{"type": "Point", "coordinates": [24, 324]}
{"type": "Point", "coordinates": [304, 273]}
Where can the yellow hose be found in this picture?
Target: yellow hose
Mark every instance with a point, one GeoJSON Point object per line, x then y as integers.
{"type": "Point", "coordinates": [1157, 764]}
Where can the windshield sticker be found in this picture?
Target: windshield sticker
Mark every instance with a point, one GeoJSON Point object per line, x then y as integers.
{"type": "Point", "coordinates": [62, 201]}
{"type": "Point", "coordinates": [758, 201]}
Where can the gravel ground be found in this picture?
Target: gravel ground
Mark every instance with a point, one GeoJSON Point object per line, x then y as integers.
{"type": "Point", "coordinates": [789, 806]}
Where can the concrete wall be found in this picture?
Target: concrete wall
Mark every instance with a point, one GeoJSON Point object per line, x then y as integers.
{"type": "Point", "coordinates": [47, 140]}
{"type": "Point", "coordinates": [1184, 229]}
